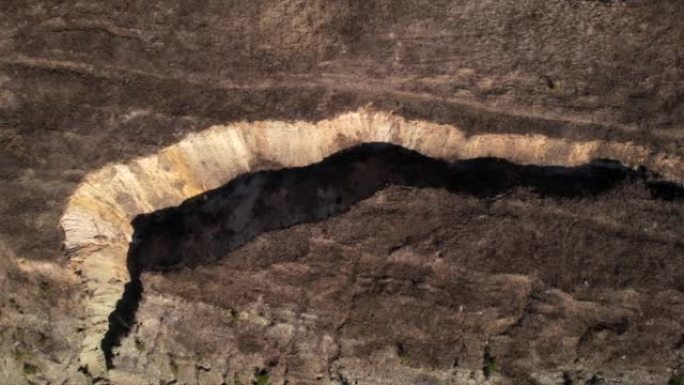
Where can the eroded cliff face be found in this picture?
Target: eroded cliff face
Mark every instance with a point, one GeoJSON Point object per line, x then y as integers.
{"type": "Point", "coordinates": [97, 219]}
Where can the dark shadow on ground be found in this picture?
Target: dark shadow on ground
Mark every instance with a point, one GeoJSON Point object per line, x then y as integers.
{"type": "Point", "coordinates": [205, 228]}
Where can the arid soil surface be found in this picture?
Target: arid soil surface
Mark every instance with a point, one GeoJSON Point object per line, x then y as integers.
{"type": "Point", "coordinates": [556, 291]}
{"type": "Point", "coordinates": [428, 285]}
{"type": "Point", "coordinates": [84, 83]}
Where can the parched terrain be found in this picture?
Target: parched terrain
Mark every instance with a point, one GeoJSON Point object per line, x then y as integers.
{"type": "Point", "coordinates": [423, 286]}
{"type": "Point", "coordinates": [412, 285]}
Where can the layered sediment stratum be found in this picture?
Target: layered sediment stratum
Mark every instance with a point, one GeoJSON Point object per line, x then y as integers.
{"type": "Point", "coordinates": [97, 220]}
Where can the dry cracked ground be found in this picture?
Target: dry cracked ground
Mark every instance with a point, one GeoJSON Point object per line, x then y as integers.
{"type": "Point", "coordinates": [409, 285]}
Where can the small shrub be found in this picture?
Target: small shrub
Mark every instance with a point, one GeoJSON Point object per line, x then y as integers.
{"type": "Point", "coordinates": [403, 355]}
{"type": "Point", "coordinates": [490, 366]}
{"type": "Point", "coordinates": [139, 346]}
{"type": "Point", "coordinates": [567, 379]}
{"type": "Point", "coordinates": [174, 365]}
{"type": "Point", "coordinates": [596, 380]}
{"type": "Point", "coordinates": [262, 378]}
{"type": "Point", "coordinates": [676, 380]}
{"type": "Point", "coordinates": [29, 369]}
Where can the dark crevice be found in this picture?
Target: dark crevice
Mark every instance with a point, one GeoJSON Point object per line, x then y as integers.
{"type": "Point", "coordinates": [206, 227]}
{"type": "Point", "coordinates": [122, 319]}
{"type": "Point", "coordinates": [666, 190]}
